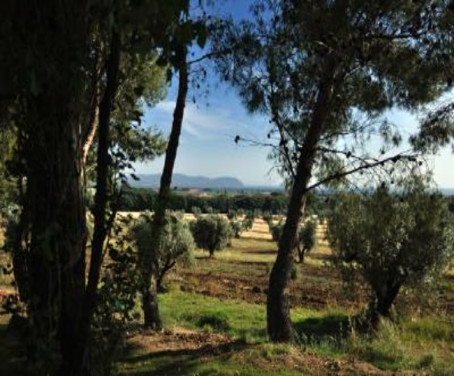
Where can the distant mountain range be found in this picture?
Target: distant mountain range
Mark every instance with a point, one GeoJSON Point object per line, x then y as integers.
{"type": "Point", "coordinates": [185, 181]}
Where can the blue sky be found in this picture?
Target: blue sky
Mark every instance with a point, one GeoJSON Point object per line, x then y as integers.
{"type": "Point", "coordinates": [207, 147]}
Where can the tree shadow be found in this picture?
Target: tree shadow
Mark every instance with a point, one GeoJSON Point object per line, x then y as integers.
{"type": "Point", "coordinates": [12, 351]}
{"type": "Point", "coordinates": [320, 329]}
{"type": "Point", "coordinates": [182, 362]}
{"type": "Point", "coordinates": [261, 252]}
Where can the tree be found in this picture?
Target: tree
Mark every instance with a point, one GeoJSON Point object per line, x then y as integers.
{"type": "Point", "coordinates": [276, 231]}
{"type": "Point", "coordinates": [324, 88]}
{"type": "Point", "coordinates": [211, 232]}
{"type": "Point", "coordinates": [185, 32]}
{"type": "Point", "coordinates": [240, 225]}
{"type": "Point", "coordinates": [391, 240]}
{"type": "Point", "coordinates": [306, 239]}
{"type": "Point", "coordinates": [177, 244]}
{"type": "Point", "coordinates": [61, 45]}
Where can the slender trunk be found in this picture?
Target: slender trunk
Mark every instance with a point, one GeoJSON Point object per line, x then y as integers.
{"type": "Point", "coordinates": [92, 127]}
{"type": "Point", "coordinates": [148, 264]}
{"type": "Point", "coordinates": [278, 311]}
{"type": "Point", "coordinates": [75, 352]}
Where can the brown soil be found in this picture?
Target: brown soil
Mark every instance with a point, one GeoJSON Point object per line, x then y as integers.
{"type": "Point", "coordinates": [306, 292]}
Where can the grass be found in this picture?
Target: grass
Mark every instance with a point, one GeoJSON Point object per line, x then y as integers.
{"type": "Point", "coordinates": [227, 334]}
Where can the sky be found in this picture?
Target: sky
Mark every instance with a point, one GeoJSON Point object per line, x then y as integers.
{"type": "Point", "coordinates": [207, 146]}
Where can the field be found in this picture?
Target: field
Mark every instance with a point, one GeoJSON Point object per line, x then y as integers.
{"type": "Point", "coordinates": [214, 318]}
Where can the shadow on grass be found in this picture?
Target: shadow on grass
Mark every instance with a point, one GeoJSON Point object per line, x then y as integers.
{"type": "Point", "coordinates": [261, 252]}
{"type": "Point", "coordinates": [332, 327]}
{"type": "Point", "coordinates": [181, 362]}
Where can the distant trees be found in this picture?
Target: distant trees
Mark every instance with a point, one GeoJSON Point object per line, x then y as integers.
{"type": "Point", "coordinates": [391, 240]}
{"type": "Point", "coordinates": [211, 232]}
{"type": "Point", "coordinates": [177, 245]}
{"type": "Point", "coordinates": [139, 199]}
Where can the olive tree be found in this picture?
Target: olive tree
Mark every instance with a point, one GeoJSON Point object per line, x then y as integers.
{"type": "Point", "coordinates": [305, 240]}
{"type": "Point", "coordinates": [240, 225]}
{"type": "Point", "coordinates": [390, 240]}
{"type": "Point", "coordinates": [177, 245]}
{"type": "Point", "coordinates": [211, 232]}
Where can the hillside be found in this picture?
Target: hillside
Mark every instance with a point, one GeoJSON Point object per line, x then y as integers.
{"type": "Point", "coordinates": [186, 181]}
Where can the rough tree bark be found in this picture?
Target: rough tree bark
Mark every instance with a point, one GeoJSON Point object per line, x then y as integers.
{"type": "Point", "coordinates": [54, 203]}
{"type": "Point", "coordinates": [75, 352]}
{"type": "Point", "coordinates": [148, 264]}
{"type": "Point", "coordinates": [278, 311]}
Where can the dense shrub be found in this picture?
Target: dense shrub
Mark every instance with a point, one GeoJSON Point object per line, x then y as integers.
{"type": "Point", "coordinates": [177, 245]}
{"type": "Point", "coordinates": [306, 239]}
{"type": "Point", "coordinates": [211, 232]}
{"type": "Point", "coordinates": [391, 240]}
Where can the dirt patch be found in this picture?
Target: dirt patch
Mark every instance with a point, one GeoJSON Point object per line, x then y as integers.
{"type": "Point", "coordinates": [175, 340]}
{"type": "Point", "coordinates": [253, 289]}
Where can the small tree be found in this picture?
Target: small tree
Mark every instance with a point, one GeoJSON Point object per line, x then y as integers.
{"type": "Point", "coordinates": [276, 231]}
{"type": "Point", "coordinates": [211, 232]}
{"type": "Point", "coordinates": [390, 240]}
{"type": "Point", "coordinates": [196, 211]}
{"type": "Point", "coordinates": [306, 239]}
{"type": "Point", "coordinates": [177, 244]}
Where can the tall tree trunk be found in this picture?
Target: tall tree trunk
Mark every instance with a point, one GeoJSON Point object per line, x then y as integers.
{"type": "Point", "coordinates": [148, 263]}
{"type": "Point", "coordinates": [75, 352]}
{"type": "Point", "coordinates": [278, 311]}
{"type": "Point", "coordinates": [54, 206]}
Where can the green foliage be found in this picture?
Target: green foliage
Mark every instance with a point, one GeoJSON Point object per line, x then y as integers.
{"type": "Point", "coordinates": [176, 246]}
{"type": "Point", "coordinates": [305, 238]}
{"type": "Point", "coordinates": [218, 321]}
{"type": "Point", "coordinates": [211, 232]}
{"type": "Point", "coordinates": [240, 225]}
{"type": "Point", "coordinates": [116, 298]}
{"type": "Point", "coordinates": [268, 218]}
{"type": "Point", "coordinates": [391, 240]}
{"type": "Point", "coordinates": [140, 199]}
{"type": "Point", "coordinates": [276, 231]}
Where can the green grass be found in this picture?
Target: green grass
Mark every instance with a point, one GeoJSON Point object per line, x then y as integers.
{"type": "Point", "coordinates": [233, 362]}
{"type": "Point", "coordinates": [239, 319]}
{"type": "Point", "coordinates": [418, 344]}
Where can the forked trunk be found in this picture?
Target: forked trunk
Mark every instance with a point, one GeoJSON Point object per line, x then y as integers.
{"type": "Point", "coordinates": [75, 354]}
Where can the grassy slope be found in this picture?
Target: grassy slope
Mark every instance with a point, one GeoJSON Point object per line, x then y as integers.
{"type": "Point", "coordinates": [415, 344]}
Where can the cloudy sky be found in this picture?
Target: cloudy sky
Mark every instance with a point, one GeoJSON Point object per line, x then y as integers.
{"type": "Point", "coordinates": [207, 144]}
